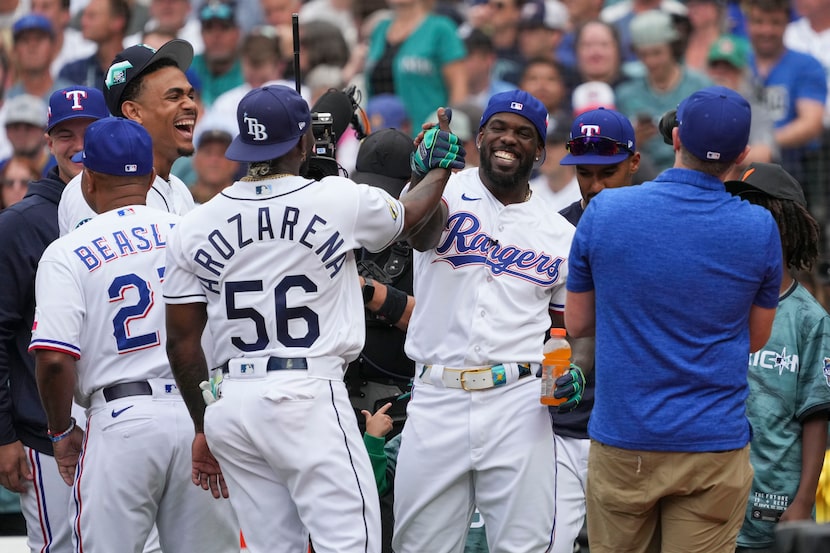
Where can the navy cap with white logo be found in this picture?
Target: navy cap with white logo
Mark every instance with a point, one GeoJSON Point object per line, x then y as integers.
{"type": "Point", "coordinates": [75, 102]}
{"type": "Point", "coordinates": [117, 146]}
{"type": "Point", "coordinates": [271, 121]}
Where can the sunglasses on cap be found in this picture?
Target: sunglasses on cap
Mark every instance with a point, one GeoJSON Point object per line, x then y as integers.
{"type": "Point", "coordinates": [601, 145]}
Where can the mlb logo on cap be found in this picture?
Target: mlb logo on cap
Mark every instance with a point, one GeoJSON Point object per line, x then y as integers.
{"type": "Point", "coordinates": [75, 102]}
{"type": "Point", "coordinates": [118, 147]}
{"type": "Point", "coordinates": [713, 124]}
{"type": "Point", "coordinates": [521, 103]}
{"type": "Point", "coordinates": [516, 105]}
{"type": "Point", "coordinates": [271, 121]}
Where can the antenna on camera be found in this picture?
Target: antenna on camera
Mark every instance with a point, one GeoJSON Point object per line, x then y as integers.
{"type": "Point", "coordinates": [295, 29]}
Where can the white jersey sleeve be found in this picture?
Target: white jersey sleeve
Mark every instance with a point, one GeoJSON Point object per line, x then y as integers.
{"type": "Point", "coordinates": [73, 210]}
{"type": "Point", "coordinates": [97, 298]}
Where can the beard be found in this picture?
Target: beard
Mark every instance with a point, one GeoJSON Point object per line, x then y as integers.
{"type": "Point", "coordinates": [186, 152]}
{"type": "Point", "coordinates": [505, 181]}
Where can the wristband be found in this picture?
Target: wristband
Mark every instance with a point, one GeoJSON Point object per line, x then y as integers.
{"type": "Point", "coordinates": [393, 306]}
{"type": "Point", "coordinates": [56, 437]}
{"type": "Point", "coordinates": [368, 290]}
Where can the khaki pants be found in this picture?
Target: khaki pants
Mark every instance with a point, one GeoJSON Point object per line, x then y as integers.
{"type": "Point", "coordinates": [662, 502]}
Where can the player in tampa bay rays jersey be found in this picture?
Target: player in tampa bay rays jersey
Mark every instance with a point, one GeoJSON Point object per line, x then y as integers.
{"type": "Point", "coordinates": [148, 86]}
{"type": "Point", "coordinates": [99, 330]}
{"type": "Point", "coordinates": [487, 289]}
{"type": "Point", "coordinates": [269, 265]}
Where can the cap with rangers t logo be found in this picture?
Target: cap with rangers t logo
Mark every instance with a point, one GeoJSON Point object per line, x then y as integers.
{"type": "Point", "coordinates": [75, 102]}
{"type": "Point", "coordinates": [601, 125]}
{"type": "Point", "coordinates": [271, 121]}
{"type": "Point", "coordinates": [117, 146]}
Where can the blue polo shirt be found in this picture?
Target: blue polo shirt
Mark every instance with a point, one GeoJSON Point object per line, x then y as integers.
{"type": "Point", "coordinates": [676, 264]}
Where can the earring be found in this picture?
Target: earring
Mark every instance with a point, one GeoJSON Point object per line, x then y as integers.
{"type": "Point", "coordinates": [537, 158]}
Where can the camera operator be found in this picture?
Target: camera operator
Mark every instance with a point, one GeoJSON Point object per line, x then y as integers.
{"type": "Point", "coordinates": [382, 372]}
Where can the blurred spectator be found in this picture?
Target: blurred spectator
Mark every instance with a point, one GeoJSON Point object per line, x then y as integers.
{"type": "Point", "coordinates": [419, 57]}
{"type": "Point", "coordinates": [218, 66]}
{"type": "Point", "coordinates": [336, 12]}
{"type": "Point", "coordinates": [794, 88]}
{"type": "Point", "coordinates": [34, 40]}
{"type": "Point", "coordinates": [598, 54]}
{"type": "Point", "coordinates": [69, 44]}
{"type": "Point", "coordinates": [621, 14]}
{"type": "Point", "coordinates": [542, 77]}
{"type": "Point", "coordinates": [323, 77]}
{"type": "Point", "coordinates": [727, 66]}
{"type": "Point", "coordinates": [321, 43]}
{"type": "Point", "coordinates": [171, 16]}
{"type": "Point", "coordinates": [580, 12]}
{"type": "Point", "coordinates": [26, 119]}
{"type": "Point", "coordinates": [554, 183]}
{"type": "Point", "coordinates": [707, 20]}
{"type": "Point", "coordinates": [386, 111]}
{"type": "Point", "coordinates": [542, 25]}
{"type": "Point", "coordinates": [262, 63]}
{"type": "Point", "coordinates": [644, 100]}
{"type": "Point", "coordinates": [479, 63]}
{"type": "Point", "coordinates": [277, 14]}
{"type": "Point", "coordinates": [10, 10]}
{"type": "Point", "coordinates": [502, 24]}
{"type": "Point", "coordinates": [213, 171]}
{"type": "Point", "coordinates": [248, 13]}
{"type": "Point", "coordinates": [16, 174]}
{"type": "Point", "coordinates": [103, 22]}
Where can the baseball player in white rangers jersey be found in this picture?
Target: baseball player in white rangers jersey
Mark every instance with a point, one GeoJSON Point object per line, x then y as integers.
{"type": "Point", "coordinates": [269, 265]}
{"type": "Point", "coordinates": [99, 331]}
{"type": "Point", "coordinates": [489, 280]}
{"type": "Point", "coordinates": [148, 86]}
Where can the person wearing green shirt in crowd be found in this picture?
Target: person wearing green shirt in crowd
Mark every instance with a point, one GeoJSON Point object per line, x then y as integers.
{"type": "Point", "coordinates": [219, 67]}
{"type": "Point", "coordinates": [789, 378]}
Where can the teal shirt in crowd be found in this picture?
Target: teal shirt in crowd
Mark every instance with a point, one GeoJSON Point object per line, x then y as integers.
{"type": "Point", "coordinates": [417, 68]}
{"type": "Point", "coordinates": [789, 380]}
{"type": "Point", "coordinates": [212, 86]}
{"type": "Point", "coordinates": [637, 98]}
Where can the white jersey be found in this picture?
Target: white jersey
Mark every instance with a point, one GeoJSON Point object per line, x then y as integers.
{"type": "Point", "coordinates": [484, 292]}
{"type": "Point", "coordinates": [274, 261]}
{"type": "Point", "coordinates": [96, 298]}
{"type": "Point", "coordinates": [172, 196]}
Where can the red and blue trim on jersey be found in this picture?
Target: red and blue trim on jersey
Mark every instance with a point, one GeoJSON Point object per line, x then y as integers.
{"type": "Point", "coordinates": [40, 495]}
{"type": "Point", "coordinates": [55, 345]}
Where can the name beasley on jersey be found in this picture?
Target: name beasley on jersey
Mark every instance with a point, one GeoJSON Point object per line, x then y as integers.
{"type": "Point", "coordinates": [475, 247]}
{"type": "Point", "coordinates": [120, 243]}
{"type": "Point", "coordinates": [327, 244]}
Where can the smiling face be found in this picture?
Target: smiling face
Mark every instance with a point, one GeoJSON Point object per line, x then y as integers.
{"type": "Point", "coordinates": [165, 106]}
{"type": "Point", "coordinates": [510, 145]}
{"type": "Point", "coordinates": [66, 140]}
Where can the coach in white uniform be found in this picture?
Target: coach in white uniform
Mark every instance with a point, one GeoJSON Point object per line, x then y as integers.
{"type": "Point", "coordinates": [99, 330]}
{"type": "Point", "coordinates": [148, 86]}
{"type": "Point", "coordinates": [489, 281]}
{"type": "Point", "coordinates": [269, 265]}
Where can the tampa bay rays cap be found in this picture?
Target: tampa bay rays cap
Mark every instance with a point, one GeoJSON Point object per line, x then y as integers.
{"type": "Point", "coordinates": [714, 123]}
{"type": "Point", "coordinates": [117, 146]}
{"type": "Point", "coordinates": [599, 124]}
{"type": "Point", "coordinates": [383, 160]}
{"type": "Point", "coordinates": [770, 179]}
{"type": "Point", "coordinates": [75, 102]}
{"type": "Point", "coordinates": [521, 103]}
{"type": "Point", "coordinates": [271, 121]}
{"type": "Point", "coordinates": [131, 62]}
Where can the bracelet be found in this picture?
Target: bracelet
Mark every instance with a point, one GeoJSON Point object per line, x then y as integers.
{"type": "Point", "coordinates": [393, 306]}
{"type": "Point", "coordinates": [56, 437]}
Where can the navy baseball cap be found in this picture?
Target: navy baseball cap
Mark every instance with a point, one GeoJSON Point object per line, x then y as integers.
{"type": "Point", "coordinates": [521, 103]}
{"type": "Point", "coordinates": [607, 137]}
{"type": "Point", "coordinates": [32, 22]}
{"type": "Point", "coordinates": [75, 102]}
{"type": "Point", "coordinates": [131, 62]}
{"type": "Point", "coordinates": [770, 179]}
{"type": "Point", "coordinates": [117, 146]}
{"type": "Point", "coordinates": [271, 121]}
{"type": "Point", "coordinates": [714, 123]}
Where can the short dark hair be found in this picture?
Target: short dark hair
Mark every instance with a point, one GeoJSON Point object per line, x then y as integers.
{"type": "Point", "coordinates": [479, 41]}
{"type": "Point", "coordinates": [767, 5]}
{"type": "Point", "coordinates": [133, 88]}
{"type": "Point", "coordinates": [121, 8]}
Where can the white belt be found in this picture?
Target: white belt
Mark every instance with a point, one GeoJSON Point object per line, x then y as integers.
{"type": "Point", "coordinates": [476, 378]}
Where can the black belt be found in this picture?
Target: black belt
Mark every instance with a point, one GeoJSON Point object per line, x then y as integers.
{"type": "Point", "coordinates": [278, 364]}
{"type": "Point", "coordinates": [127, 389]}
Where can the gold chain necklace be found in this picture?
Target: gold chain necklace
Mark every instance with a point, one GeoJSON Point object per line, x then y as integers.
{"type": "Point", "coordinates": [267, 177]}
